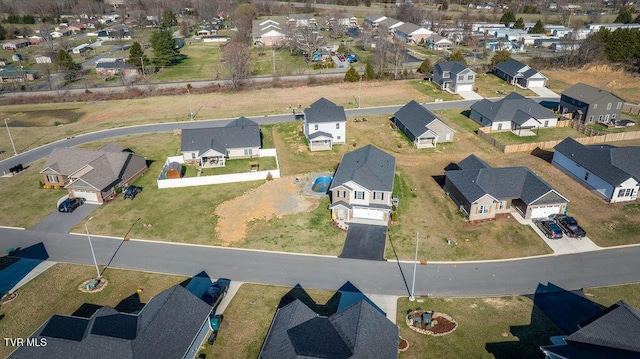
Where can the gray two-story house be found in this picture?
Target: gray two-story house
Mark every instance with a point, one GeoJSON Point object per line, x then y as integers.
{"type": "Point", "coordinates": [589, 104]}
{"type": "Point", "coordinates": [453, 76]}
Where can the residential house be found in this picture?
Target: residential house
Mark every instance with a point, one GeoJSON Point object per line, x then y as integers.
{"type": "Point", "coordinates": [35, 40]}
{"type": "Point", "coordinates": [173, 324]}
{"type": "Point", "coordinates": [613, 172]}
{"type": "Point", "coordinates": [44, 59]}
{"type": "Point", "coordinates": [325, 123]}
{"type": "Point", "coordinates": [589, 104]}
{"type": "Point", "coordinates": [114, 34]}
{"type": "Point", "coordinates": [92, 174]}
{"type": "Point", "coordinates": [116, 68]}
{"type": "Point", "coordinates": [82, 48]}
{"type": "Point", "coordinates": [438, 43]}
{"type": "Point", "coordinates": [206, 32]}
{"type": "Point", "coordinates": [355, 328]}
{"type": "Point", "coordinates": [15, 44]}
{"type": "Point", "coordinates": [494, 45]}
{"type": "Point", "coordinates": [362, 186]}
{"type": "Point", "coordinates": [514, 112]}
{"type": "Point", "coordinates": [482, 192]}
{"type": "Point", "coordinates": [613, 333]}
{"type": "Point", "coordinates": [60, 33]}
{"type": "Point", "coordinates": [213, 146]}
{"type": "Point", "coordinates": [421, 126]}
{"type": "Point", "coordinates": [301, 20]}
{"type": "Point", "coordinates": [389, 24]}
{"type": "Point", "coordinates": [515, 72]}
{"type": "Point", "coordinates": [14, 74]}
{"type": "Point", "coordinates": [411, 33]}
{"type": "Point", "coordinates": [453, 76]}
{"type": "Point", "coordinates": [342, 20]}
{"type": "Point", "coordinates": [372, 21]}
{"type": "Point", "coordinates": [268, 33]}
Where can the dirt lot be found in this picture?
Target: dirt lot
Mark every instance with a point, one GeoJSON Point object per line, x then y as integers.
{"type": "Point", "coordinates": [624, 84]}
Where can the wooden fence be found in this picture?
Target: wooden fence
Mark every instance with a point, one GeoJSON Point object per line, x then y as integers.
{"type": "Point", "coordinates": [631, 108]}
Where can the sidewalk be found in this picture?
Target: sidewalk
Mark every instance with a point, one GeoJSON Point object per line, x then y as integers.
{"type": "Point", "coordinates": [544, 92]}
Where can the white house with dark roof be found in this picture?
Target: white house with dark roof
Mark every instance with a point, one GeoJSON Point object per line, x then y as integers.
{"type": "Point", "coordinates": [362, 186]}
{"type": "Point", "coordinates": [612, 172]}
{"type": "Point", "coordinates": [421, 126]}
{"type": "Point", "coordinates": [268, 32]}
{"type": "Point", "coordinates": [514, 112]}
{"type": "Point", "coordinates": [325, 123]}
{"type": "Point", "coordinates": [482, 192]}
{"type": "Point", "coordinates": [515, 72]}
{"type": "Point", "coordinates": [412, 33]}
{"type": "Point", "coordinates": [437, 42]}
{"type": "Point", "coordinates": [453, 76]}
{"type": "Point", "coordinates": [213, 146]}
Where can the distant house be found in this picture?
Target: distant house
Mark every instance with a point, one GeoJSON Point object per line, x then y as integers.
{"type": "Point", "coordinates": [438, 43]}
{"type": "Point", "coordinates": [114, 34]}
{"type": "Point", "coordinates": [613, 172]}
{"type": "Point", "coordinates": [173, 324]}
{"type": "Point", "coordinates": [116, 68]}
{"type": "Point", "coordinates": [372, 21]}
{"type": "Point", "coordinates": [354, 328]}
{"type": "Point", "coordinates": [389, 25]}
{"type": "Point", "coordinates": [362, 186]}
{"type": "Point", "coordinates": [44, 59]}
{"type": "Point", "coordinates": [206, 32]}
{"type": "Point", "coordinates": [325, 123]}
{"type": "Point", "coordinates": [412, 33]}
{"type": "Point", "coordinates": [82, 48]}
{"type": "Point", "coordinates": [613, 333]}
{"type": "Point", "coordinates": [268, 32]}
{"type": "Point", "coordinates": [13, 74]}
{"type": "Point", "coordinates": [515, 72]}
{"type": "Point", "coordinates": [589, 104]}
{"type": "Point", "coordinates": [514, 112]}
{"type": "Point", "coordinates": [92, 174]}
{"type": "Point", "coordinates": [213, 146]}
{"type": "Point", "coordinates": [15, 44]}
{"type": "Point", "coordinates": [453, 76]}
{"type": "Point", "coordinates": [421, 126]}
{"type": "Point", "coordinates": [60, 33]}
{"type": "Point", "coordinates": [482, 192]}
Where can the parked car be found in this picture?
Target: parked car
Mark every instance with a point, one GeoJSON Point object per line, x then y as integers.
{"type": "Point", "coordinates": [70, 204]}
{"type": "Point", "coordinates": [352, 58]}
{"type": "Point", "coordinates": [569, 226]}
{"type": "Point", "coordinates": [216, 292]}
{"type": "Point", "coordinates": [549, 228]}
{"type": "Point", "coordinates": [132, 192]}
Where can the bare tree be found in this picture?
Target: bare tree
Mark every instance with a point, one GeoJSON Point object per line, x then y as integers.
{"type": "Point", "coordinates": [237, 60]}
{"type": "Point", "coordinates": [408, 13]}
{"type": "Point", "coordinates": [307, 39]}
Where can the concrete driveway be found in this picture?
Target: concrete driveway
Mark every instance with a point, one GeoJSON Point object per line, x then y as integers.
{"type": "Point", "coordinates": [543, 92]}
{"type": "Point", "coordinates": [58, 222]}
{"type": "Point", "coordinates": [470, 95]}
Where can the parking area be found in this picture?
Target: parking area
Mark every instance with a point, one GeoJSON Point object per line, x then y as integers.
{"type": "Point", "coordinates": [58, 222]}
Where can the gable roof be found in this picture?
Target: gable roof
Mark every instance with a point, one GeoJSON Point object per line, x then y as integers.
{"type": "Point", "coordinates": [165, 328]}
{"type": "Point", "coordinates": [239, 133]}
{"type": "Point", "coordinates": [324, 110]}
{"type": "Point", "coordinates": [415, 118]}
{"type": "Point", "coordinates": [587, 94]}
{"type": "Point", "coordinates": [369, 167]}
{"type": "Point", "coordinates": [514, 107]}
{"type": "Point", "coordinates": [613, 164]}
{"type": "Point", "coordinates": [454, 67]}
{"type": "Point", "coordinates": [408, 28]}
{"type": "Point", "coordinates": [474, 181]}
{"type": "Point", "coordinates": [510, 67]}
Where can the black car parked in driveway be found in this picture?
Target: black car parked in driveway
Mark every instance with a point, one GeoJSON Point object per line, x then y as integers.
{"type": "Point", "coordinates": [70, 204]}
{"type": "Point", "coordinates": [569, 226]}
{"type": "Point", "coordinates": [549, 228]}
{"type": "Point", "coordinates": [216, 292]}
{"type": "Point", "coordinates": [132, 192]}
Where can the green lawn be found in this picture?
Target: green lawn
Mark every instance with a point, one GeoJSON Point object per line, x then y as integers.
{"type": "Point", "coordinates": [490, 85]}
{"type": "Point", "coordinates": [460, 119]}
{"type": "Point", "coordinates": [285, 62]}
{"type": "Point", "coordinates": [241, 165]}
{"type": "Point", "coordinates": [432, 91]}
{"type": "Point", "coordinates": [201, 63]}
{"type": "Point", "coordinates": [542, 135]}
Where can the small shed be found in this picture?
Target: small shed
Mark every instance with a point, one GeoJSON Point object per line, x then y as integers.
{"type": "Point", "coordinates": [174, 170]}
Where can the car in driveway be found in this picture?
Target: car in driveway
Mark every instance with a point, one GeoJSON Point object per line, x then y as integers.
{"type": "Point", "coordinates": [132, 191]}
{"type": "Point", "coordinates": [70, 204]}
{"type": "Point", "coordinates": [214, 323]}
{"type": "Point", "coordinates": [569, 226]}
{"type": "Point", "coordinates": [549, 228]}
{"type": "Point", "coordinates": [218, 290]}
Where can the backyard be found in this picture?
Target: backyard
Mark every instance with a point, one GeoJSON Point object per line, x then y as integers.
{"type": "Point", "coordinates": [490, 86]}
{"type": "Point", "coordinates": [542, 135]}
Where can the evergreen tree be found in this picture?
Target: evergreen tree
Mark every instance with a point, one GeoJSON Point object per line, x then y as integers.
{"type": "Point", "coordinates": [425, 67]}
{"type": "Point", "coordinates": [519, 24]}
{"type": "Point", "coordinates": [369, 72]}
{"type": "Point", "coordinates": [66, 65]}
{"type": "Point", "coordinates": [3, 33]}
{"type": "Point", "coordinates": [444, 6]}
{"type": "Point", "coordinates": [625, 16]}
{"type": "Point", "coordinates": [637, 20]}
{"type": "Point", "coordinates": [137, 57]}
{"type": "Point", "coordinates": [458, 56]}
{"type": "Point", "coordinates": [164, 48]}
{"type": "Point", "coordinates": [507, 18]}
{"type": "Point", "coordinates": [168, 19]}
{"type": "Point", "coordinates": [538, 28]}
{"type": "Point", "coordinates": [351, 75]}
{"type": "Point", "coordinates": [500, 56]}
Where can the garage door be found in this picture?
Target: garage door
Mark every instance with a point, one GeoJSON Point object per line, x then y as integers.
{"type": "Point", "coordinates": [89, 196]}
{"type": "Point", "coordinates": [369, 213]}
{"type": "Point", "coordinates": [536, 83]}
{"type": "Point", "coordinates": [542, 212]}
{"type": "Point", "coordinates": [468, 87]}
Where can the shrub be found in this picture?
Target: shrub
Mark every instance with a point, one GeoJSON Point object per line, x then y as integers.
{"type": "Point", "coordinates": [269, 177]}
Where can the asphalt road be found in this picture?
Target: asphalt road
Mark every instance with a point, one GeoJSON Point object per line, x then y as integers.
{"type": "Point", "coordinates": [606, 267]}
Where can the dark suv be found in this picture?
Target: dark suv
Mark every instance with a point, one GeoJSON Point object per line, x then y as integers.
{"type": "Point", "coordinates": [70, 204]}
{"type": "Point", "coordinates": [550, 229]}
{"type": "Point", "coordinates": [132, 192]}
{"type": "Point", "coordinates": [216, 292]}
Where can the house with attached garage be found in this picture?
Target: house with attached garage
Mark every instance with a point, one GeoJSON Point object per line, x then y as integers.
{"type": "Point", "coordinates": [589, 104]}
{"type": "Point", "coordinates": [613, 172]}
{"type": "Point", "coordinates": [361, 187]}
{"type": "Point", "coordinates": [515, 72]}
{"type": "Point", "coordinates": [268, 32]}
{"type": "Point", "coordinates": [453, 76]}
{"type": "Point", "coordinates": [514, 112]}
{"type": "Point", "coordinates": [412, 33]}
{"type": "Point", "coordinates": [325, 123]}
{"type": "Point", "coordinates": [421, 126]}
{"type": "Point", "coordinates": [92, 174]}
{"type": "Point", "coordinates": [482, 192]}
{"type": "Point", "coordinates": [213, 146]}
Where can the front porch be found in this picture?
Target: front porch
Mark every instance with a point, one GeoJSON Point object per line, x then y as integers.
{"type": "Point", "coordinates": [212, 161]}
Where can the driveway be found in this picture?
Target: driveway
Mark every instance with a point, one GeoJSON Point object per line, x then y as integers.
{"type": "Point", "coordinates": [365, 241]}
{"type": "Point", "coordinates": [470, 95]}
{"type": "Point", "coordinates": [58, 222]}
{"type": "Point", "coordinates": [543, 92]}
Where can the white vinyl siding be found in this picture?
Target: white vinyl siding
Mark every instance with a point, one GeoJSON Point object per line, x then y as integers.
{"type": "Point", "coordinates": [358, 194]}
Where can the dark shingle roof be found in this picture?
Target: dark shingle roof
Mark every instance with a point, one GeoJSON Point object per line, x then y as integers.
{"type": "Point", "coordinates": [613, 164]}
{"type": "Point", "coordinates": [500, 183]}
{"type": "Point", "coordinates": [510, 67]}
{"type": "Point", "coordinates": [506, 109]}
{"type": "Point", "coordinates": [369, 167]}
{"type": "Point", "coordinates": [472, 163]}
{"type": "Point", "coordinates": [237, 134]}
{"type": "Point", "coordinates": [415, 118]}
{"type": "Point", "coordinates": [324, 110]}
{"type": "Point", "coordinates": [455, 67]}
{"type": "Point", "coordinates": [587, 94]}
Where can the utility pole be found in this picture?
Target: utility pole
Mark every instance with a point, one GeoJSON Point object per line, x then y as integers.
{"type": "Point", "coordinates": [359, 89]}
{"type": "Point", "coordinates": [190, 108]}
{"type": "Point", "coordinates": [86, 228]}
{"type": "Point", "coordinates": [415, 267]}
{"type": "Point", "coordinates": [142, 63]}
{"type": "Point", "coordinates": [15, 153]}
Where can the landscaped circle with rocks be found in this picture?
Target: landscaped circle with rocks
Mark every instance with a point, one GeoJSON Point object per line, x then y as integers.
{"type": "Point", "coordinates": [430, 322]}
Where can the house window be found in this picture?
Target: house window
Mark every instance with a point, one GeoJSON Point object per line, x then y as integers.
{"type": "Point", "coordinates": [315, 127]}
{"type": "Point", "coordinates": [499, 126]}
{"type": "Point", "coordinates": [501, 205]}
{"type": "Point", "coordinates": [625, 192]}
{"type": "Point", "coordinates": [483, 209]}
{"type": "Point", "coordinates": [613, 116]}
{"type": "Point", "coordinates": [609, 106]}
{"type": "Point", "coordinates": [378, 195]}
{"type": "Point", "coordinates": [461, 78]}
{"type": "Point", "coordinates": [619, 106]}
{"type": "Point", "coordinates": [52, 178]}
{"type": "Point", "coordinates": [339, 137]}
{"type": "Point", "coordinates": [358, 194]}
{"type": "Point", "coordinates": [470, 77]}
{"type": "Point", "coordinates": [586, 176]}
{"type": "Point", "coordinates": [590, 118]}
{"type": "Point", "coordinates": [337, 126]}
{"type": "Point", "coordinates": [595, 106]}
{"type": "Point", "coordinates": [546, 123]}
{"type": "Point", "coordinates": [193, 155]}
{"type": "Point", "coordinates": [600, 118]}
{"type": "Point", "coordinates": [248, 151]}
{"type": "Point", "coordinates": [341, 194]}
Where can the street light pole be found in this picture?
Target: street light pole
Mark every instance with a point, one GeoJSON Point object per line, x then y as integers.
{"type": "Point", "coordinates": [415, 266]}
{"type": "Point", "coordinates": [15, 153]}
{"type": "Point", "coordinates": [190, 108]}
{"type": "Point", "coordinates": [86, 228]}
